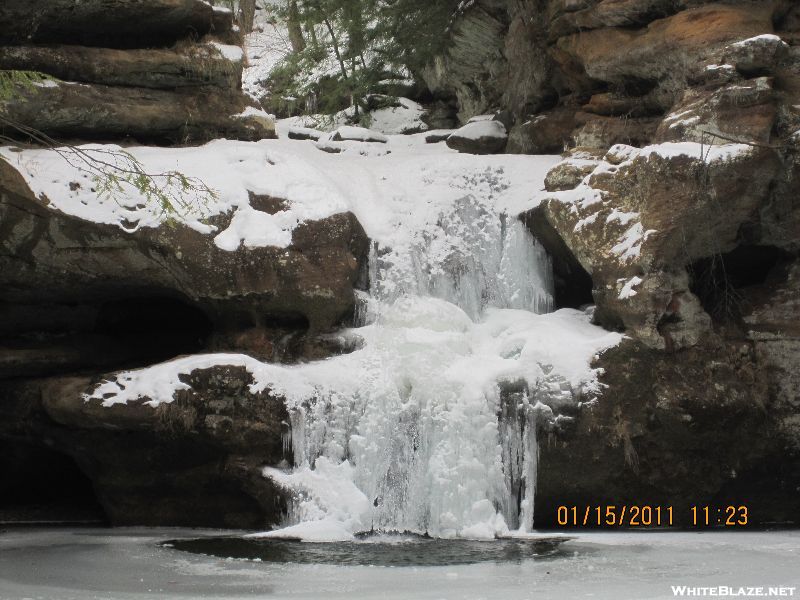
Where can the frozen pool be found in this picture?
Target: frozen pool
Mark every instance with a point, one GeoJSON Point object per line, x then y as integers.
{"type": "Point", "coordinates": [62, 564]}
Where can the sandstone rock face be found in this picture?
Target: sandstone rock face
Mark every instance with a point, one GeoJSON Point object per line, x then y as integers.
{"type": "Point", "coordinates": [127, 70]}
{"type": "Point", "coordinates": [82, 299]}
{"type": "Point", "coordinates": [695, 428]}
{"type": "Point", "coordinates": [194, 460]}
{"type": "Point", "coordinates": [547, 133]}
{"type": "Point", "coordinates": [196, 65]}
{"type": "Point", "coordinates": [742, 111]}
{"type": "Point", "coordinates": [633, 225]}
{"type": "Point", "coordinates": [619, 66]}
{"type": "Point", "coordinates": [100, 112]}
{"type": "Point", "coordinates": [50, 257]}
{"type": "Point", "coordinates": [107, 23]}
{"type": "Point", "coordinates": [692, 250]}
{"type": "Point", "coordinates": [668, 50]}
{"type": "Point", "coordinates": [470, 70]}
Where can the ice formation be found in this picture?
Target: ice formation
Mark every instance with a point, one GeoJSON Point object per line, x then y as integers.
{"type": "Point", "coordinates": [432, 427]}
{"type": "Point", "coordinates": [430, 424]}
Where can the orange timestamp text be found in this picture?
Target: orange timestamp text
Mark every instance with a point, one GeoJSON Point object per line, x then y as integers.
{"type": "Point", "coordinates": [650, 516]}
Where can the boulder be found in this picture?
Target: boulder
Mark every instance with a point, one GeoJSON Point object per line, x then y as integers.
{"type": "Point", "coordinates": [632, 225]}
{"type": "Point", "coordinates": [304, 133]}
{"type": "Point", "coordinates": [744, 111]}
{"type": "Point", "coordinates": [569, 173]}
{"type": "Point", "coordinates": [758, 55]}
{"type": "Point", "coordinates": [193, 461]}
{"type": "Point", "coordinates": [479, 137]}
{"type": "Point", "coordinates": [666, 52]}
{"type": "Point", "coordinates": [437, 135]}
{"type": "Point", "coordinates": [546, 133]}
{"type": "Point", "coordinates": [595, 131]}
{"type": "Point", "coordinates": [93, 111]}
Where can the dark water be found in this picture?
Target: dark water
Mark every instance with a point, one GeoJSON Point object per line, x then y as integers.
{"type": "Point", "coordinates": [384, 550]}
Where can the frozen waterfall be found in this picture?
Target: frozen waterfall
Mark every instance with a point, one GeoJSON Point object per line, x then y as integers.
{"type": "Point", "coordinates": [416, 433]}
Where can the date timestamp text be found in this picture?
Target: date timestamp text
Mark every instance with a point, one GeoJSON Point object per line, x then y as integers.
{"type": "Point", "coordinates": [628, 515]}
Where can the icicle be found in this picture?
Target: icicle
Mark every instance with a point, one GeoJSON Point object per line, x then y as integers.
{"type": "Point", "coordinates": [530, 463]}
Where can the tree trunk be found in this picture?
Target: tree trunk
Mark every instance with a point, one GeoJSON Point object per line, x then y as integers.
{"type": "Point", "coordinates": [295, 30]}
{"type": "Point", "coordinates": [247, 14]}
{"type": "Point", "coordinates": [335, 42]}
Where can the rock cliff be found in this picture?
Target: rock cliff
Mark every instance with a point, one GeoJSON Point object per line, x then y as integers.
{"type": "Point", "coordinates": [674, 210]}
{"type": "Point", "coordinates": [159, 71]}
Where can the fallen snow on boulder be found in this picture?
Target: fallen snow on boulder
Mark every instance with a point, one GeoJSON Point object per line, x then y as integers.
{"type": "Point", "coordinates": [479, 137]}
{"type": "Point", "coordinates": [476, 130]}
{"type": "Point", "coordinates": [402, 119]}
{"type": "Point", "coordinates": [356, 134]}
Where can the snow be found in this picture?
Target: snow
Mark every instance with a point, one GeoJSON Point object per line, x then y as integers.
{"type": "Point", "coordinates": [330, 506]}
{"type": "Point", "coordinates": [45, 83]}
{"type": "Point", "coordinates": [476, 130]}
{"type": "Point", "coordinates": [480, 118]}
{"type": "Point", "coordinates": [630, 244]}
{"type": "Point", "coordinates": [252, 111]}
{"type": "Point", "coordinates": [266, 46]}
{"type": "Point", "coordinates": [708, 153]}
{"type": "Point", "coordinates": [399, 119]}
{"type": "Point", "coordinates": [231, 53]}
{"type": "Point", "coordinates": [358, 134]}
{"type": "Point", "coordinates": [763, 38]}
{"type": "Point", "coordinates": [229, 168]}
{"type": "Point", "coordinates": [621, 217]}
{"type": "Point", "coordinates": [627, 290]}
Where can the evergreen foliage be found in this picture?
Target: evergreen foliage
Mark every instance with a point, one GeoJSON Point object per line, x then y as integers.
{"type": "Point", "coordinates": [349, 46]}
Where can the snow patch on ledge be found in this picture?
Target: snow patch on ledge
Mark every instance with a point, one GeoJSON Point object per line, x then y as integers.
{"type": "Point", "coordinates": [232, 53]}
{"type": "Point", "coordinates": [627, 290]}
{"type": "Point", "coordinates": [763, 38]}
{"type": "Point", "coordinates": [481, 354]}
{"type": "Point", "coordinates": [252, 111]}
{"type": "Point", "coordinates": [705, 152]}
{"type": "Point", "coordinates": [230, 169]}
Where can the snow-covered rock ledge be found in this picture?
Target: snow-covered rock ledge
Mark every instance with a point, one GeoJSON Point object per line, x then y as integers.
{"type": "Point", "coordinates": [629, 217]}
{"type": "Point", "coordinates": [257, 232]}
